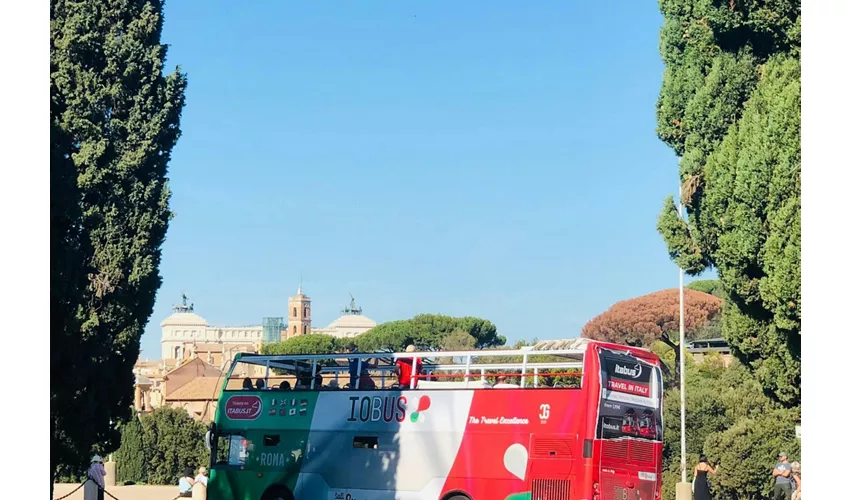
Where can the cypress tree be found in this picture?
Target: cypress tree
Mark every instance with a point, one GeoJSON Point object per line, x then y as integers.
{"type": "Point", "coordinates": [730, 108]}
{"type": "Point", "coordinates": [114, 119]}
{"type": "Point", "coordinates": [132, 455]}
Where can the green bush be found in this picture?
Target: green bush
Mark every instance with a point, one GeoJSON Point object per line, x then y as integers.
{"type": "Point", "coordinates": [173, 441]}
{"type": "Point", "coordinates": [730, 420]}
{"type": "Point", "coordinates": [156, 447]}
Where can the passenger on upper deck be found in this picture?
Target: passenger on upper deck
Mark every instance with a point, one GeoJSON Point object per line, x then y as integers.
{"type": "Point", "coordinates": [366, 382]}
{"type": "Point", "coordinates": [247, 385]}
{"type": "Point", "coordinates": [404, 370]}
{"type": "Point", "coordinates": [260, 385]}
{"type": "Point", "coordinates": [502, 383]}
{"type": "Point", "coordinates": [302, 381]}
{"type": "Point", "coordinates": [352, 365]}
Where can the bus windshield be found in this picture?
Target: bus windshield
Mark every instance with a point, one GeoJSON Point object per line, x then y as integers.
{"type": "Point", "coordinates": [630, 399]}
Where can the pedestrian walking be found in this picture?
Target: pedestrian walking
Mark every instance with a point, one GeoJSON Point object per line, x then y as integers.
{"type": "Point", "coordinates": [782, 473]}
{"type": "Point", "coordinates": [701, 472]}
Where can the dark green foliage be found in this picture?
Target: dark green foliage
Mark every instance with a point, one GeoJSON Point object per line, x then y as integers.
{"type": "Point", "coordinates": [729, 419]}
{"type": "Point", "coordinates": [131, 456]}
{"type": "Point", "coordinates": [730, 108]}
{"type": "Point", "coordinates": [173, 441]}
{"type": "Point", "coordinates": [114, 119]}
{"type": "Point", "coordinates": [428, 331]}
{"type": "Point", "coordinates": [313, 343]}
{"type": "Point", "coordinates": [458, 340]}
{"type": "Point", "coordinates": [713, 329]}
{"type": "Point", "coordinates": [749, 451]}
{"type": "Point", "coordinates": [67, 475]}
{"type": "Point", "coordinates": [155, 448]}
{"type": "Point", "coordinates": [711, 287]}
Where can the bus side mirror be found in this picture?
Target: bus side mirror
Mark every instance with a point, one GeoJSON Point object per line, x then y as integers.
{"type": "Point", "coordinates": [208, 440]}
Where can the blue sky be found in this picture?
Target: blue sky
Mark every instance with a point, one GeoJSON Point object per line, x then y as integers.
{"type": "Point", "coordinates": [494, 159]}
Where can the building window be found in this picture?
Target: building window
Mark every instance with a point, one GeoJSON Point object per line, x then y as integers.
{"type": "Point", "coordinates": [306, 312]}
{"type": "Point", "coordinates": [294, 312]}
{"type": "Point", "coordinates": [295, 329]}
{"type": "Point", "coordinates": [306, 329]}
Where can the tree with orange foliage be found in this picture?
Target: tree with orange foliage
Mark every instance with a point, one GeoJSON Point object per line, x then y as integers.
{"type": "Point", "coordinates": [642, 321]}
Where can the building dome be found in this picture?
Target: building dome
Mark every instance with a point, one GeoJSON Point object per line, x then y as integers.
{"type": "Point", "coordinates": [183, 319]}
{"type": "Point", "coordinates": [352, 321]}
{"type": "Point", "coordinates": [183, 315]}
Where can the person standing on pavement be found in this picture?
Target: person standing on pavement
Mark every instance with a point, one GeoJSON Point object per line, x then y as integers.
{"type": "Point", "coordinates": [186, 482]}
{"type": "Point", "coordinates": [795, 475]}
{"type": "Point", "coordinates": [782, 474]}
{"type": "Point", "coordinates": [202, 476]}
{"type": "Point", "coordinates": [701, 472]}
{"type": "Point", "coordinates": [96, 474]}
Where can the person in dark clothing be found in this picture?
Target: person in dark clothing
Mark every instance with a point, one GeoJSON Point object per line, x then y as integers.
{"type": "Point", "coordinates": [701, 472]}
{"type": "Point", "coordinates": [353, 369]}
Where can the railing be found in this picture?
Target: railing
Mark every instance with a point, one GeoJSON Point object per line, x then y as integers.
{"type": "Point", "coordinates": [470, 366]}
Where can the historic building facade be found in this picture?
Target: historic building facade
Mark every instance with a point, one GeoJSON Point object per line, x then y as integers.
{"type": "Point", "coordinates": [184, 328]}
{"type": "Point", "coordinates": [195, 354]}
{"type": "Point", "coordinates": [186, 335]}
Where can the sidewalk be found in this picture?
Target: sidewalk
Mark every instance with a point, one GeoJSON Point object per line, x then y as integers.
{"type": "Point", "coordinates": [121, 492]}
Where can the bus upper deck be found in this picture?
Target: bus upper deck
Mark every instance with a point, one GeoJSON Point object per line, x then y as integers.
{"type": "Point", "coordinates": [524, 368]}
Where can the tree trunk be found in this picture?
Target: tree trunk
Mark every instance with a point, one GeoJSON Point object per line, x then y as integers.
{"type": "Point", "coordinates": [676, 377]}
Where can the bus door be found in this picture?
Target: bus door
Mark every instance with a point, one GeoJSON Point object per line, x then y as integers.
{"type": "Point", "coordinates": [629, 427]}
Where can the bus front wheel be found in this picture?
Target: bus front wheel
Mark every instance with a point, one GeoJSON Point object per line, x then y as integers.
{"type": "Point", "coordinates": [278, 493]}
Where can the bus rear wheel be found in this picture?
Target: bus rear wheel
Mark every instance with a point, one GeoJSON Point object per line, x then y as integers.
{"type": "Point", "coordinates": [278, 493]}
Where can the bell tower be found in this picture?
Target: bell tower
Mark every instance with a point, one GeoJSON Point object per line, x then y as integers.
{"type": "Point", "coordinates": [300, 319]}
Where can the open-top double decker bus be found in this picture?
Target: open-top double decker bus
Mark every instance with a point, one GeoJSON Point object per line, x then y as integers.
{"type": "Point", "coordinates": [579, 422]}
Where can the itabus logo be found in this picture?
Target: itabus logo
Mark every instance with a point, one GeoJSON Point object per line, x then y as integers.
{"type": "Point", "coordinates": [243, 407]}
{"type": "Point", "coordinates": [625, 370]}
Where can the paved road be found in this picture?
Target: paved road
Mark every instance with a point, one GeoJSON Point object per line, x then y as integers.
{"type": "Point", "coordinates": [121, 492]}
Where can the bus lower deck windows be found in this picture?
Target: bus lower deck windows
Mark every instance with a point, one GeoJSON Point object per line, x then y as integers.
{"type": "Point", "coordinates": [369, 442]}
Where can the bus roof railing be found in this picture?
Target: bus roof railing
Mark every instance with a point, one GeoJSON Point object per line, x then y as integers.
{"type": "Point", "coordinates": [308, 363]}
{"type": "Point", "coordinates": [260, 359]}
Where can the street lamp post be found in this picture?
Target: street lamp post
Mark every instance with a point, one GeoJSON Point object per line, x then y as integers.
{"type": "Point", "coordinates": [682, 348]}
